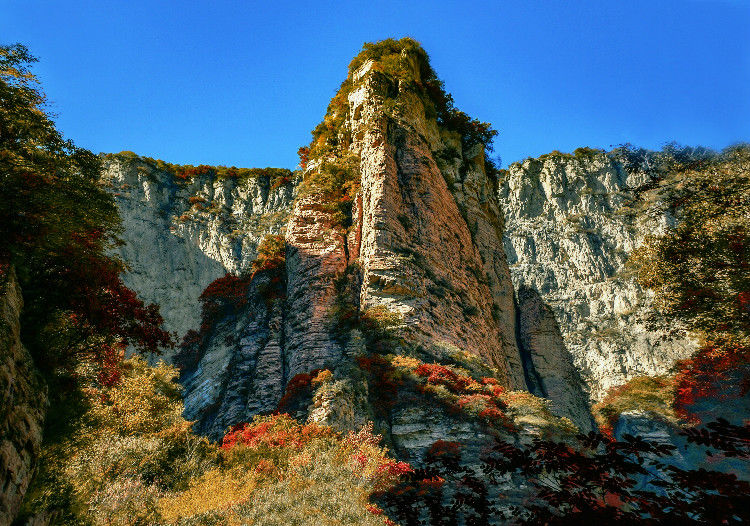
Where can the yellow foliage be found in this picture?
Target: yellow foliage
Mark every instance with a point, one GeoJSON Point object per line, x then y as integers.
{"type": "Point", "coordinates": [405, 361]}
{"type": "Point", "coordinates": [216, 489]}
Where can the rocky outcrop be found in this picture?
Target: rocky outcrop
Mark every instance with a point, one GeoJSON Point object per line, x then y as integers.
{"type": "Point", "coordinates": [420, 256]}
{"type": "Point", "coordinates": [241, 372]}
{"type": "Point", "coordinates": [419, 248]}
{"type": "Point", "coordinates": [180, 234]}
{"type": "Point", "coordinates": [548, 366]}
{"type": "Point", "coordinates": [22, 404]}
{"type": "Point", "coordinates": [525, 273]}
{"type": "Point", "coordinates": [570, 226]}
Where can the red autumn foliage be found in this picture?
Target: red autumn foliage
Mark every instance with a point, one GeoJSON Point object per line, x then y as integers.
{"type": "Point", "coordinates": [444, 448]}
{"type": "Point", "coordinates": [275, 431]}
{"type": "Point", "coordinates": [188, 172]}
{"type": "Point", "coordinates": [227, 291]}
{"type": "Point", "coordinates": [709, 374]}
{"type": "Point", "coordinates": [104, 305]}
{"type": "Point", "coordinates": [299, 386]}
{"type": "Point", "coordinates": [111, 360]}
{"type": "Point", "coordinates": [304, 156]}
{"type": "Point", "coordinates": [440, 375]}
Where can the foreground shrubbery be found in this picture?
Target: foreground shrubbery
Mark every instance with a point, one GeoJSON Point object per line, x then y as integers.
{"type": "Point", "coordinates": [132, 459]}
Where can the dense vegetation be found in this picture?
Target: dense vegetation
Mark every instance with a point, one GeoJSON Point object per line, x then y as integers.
{"type": "Point", "coordinates": [133, 460]}
{"type": "Point", "coordinates": [58, 225]}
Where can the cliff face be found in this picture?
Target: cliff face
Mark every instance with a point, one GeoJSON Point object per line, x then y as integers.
{"type": "Point", "coordinates": [422, 257]}
{"type": "Point", "coordinates": [182, 234]}
{"type": "Point", "coordinates": [410, 235]}
{"type": "Point", "coordinates": [22, 403]}
{"type": "Point", "coordinates": [570, 226]}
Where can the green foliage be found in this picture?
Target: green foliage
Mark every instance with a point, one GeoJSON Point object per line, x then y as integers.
{"type": "Point", "coordinates": [700, 269]}
{"type": "Point", "coordinates": [652, 394]}
{"type": "Point", "coordinates": [335, 184]}
{"type": "Point", "coordinates": [129, 445]}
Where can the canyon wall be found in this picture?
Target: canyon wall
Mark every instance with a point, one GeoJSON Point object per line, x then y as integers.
{"type": "Point", "coordinates": [526, 274]}
{"type": "Point", "coordinates": [571, 223]}
{"type": "Point", "coordinates": [181, 234]}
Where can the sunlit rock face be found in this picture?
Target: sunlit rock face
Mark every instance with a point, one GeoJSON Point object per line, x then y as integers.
{"type": "Point", "coordinates": [570, 227]}
{"type": "Point", "coordinates": [524, 273]}
{"type": "Point", "coordinates": [430, 229]}
{"type": "Point", "coordinates": [180, 235]}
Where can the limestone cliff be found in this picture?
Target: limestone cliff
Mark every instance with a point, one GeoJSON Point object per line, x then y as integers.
{"type": "Point", "coordinates": [398, 222]}
{"type": "Point", "coordinates": [393, 246]}
{"type": "Point", "coordinates": [22, 403]}
{"type": "Point", "coordinates": [570, 226]}
{"type": "Point", "coordinates": [182, 233]}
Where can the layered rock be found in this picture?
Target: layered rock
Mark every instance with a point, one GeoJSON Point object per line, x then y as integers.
{"type": "Point", "coordinates": [420, 247]}
{"type": "Point", "coordinates": [23, 403]}
{"type": "Point", "coordinates": [418, 255]}
{"type": "Point", "coordinates": [180, 234]}
{"type": "Point", "coordinates": [242, 369]}
{"type": "Point", "coordinates": [570, 227]}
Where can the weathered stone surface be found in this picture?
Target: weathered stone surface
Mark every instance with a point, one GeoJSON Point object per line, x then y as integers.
{"type": "Point", "coordinates": [175, 247]}
{"type": "Point", "coordinates": [316, 256]}
{"type": "Point", "coordinates": [549, 368]}
{"type": "Point", "coordinates": [23, 402]}
{"type": "Point", "coordinates": [568, 233]}
{"type": "Point", "coordinates": [418, 256]}
{"type": "Point", "coordinates": [242, 371]}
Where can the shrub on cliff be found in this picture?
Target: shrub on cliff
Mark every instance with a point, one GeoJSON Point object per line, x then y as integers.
{"type": "Point", "coordinates": [700, 271]}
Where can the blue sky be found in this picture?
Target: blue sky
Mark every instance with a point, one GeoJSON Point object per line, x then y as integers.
{"type": "Point", "coordinates": [243, 83]}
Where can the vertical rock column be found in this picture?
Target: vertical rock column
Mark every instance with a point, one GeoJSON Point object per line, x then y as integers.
{"type": "Point", "coordinates": [417, 254]}
{"type": "Point", "coordinates": [316, 255]}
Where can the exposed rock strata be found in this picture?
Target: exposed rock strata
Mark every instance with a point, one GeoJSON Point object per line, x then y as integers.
{"type": "Point", "coordinates": [569, 230]}
{"type": "Point", "coordinates": [175, 247]}
{"type": "Point", "coordinates": [425, 244]}
{"type": "Point", "coordinates": [241, 372]}
{"type": "Point", "coordinates": [22, 403]}
{"type": "Point", "coordinates": [418, 254]}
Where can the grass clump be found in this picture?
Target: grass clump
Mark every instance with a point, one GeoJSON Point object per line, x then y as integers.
{"type": "Point", "coordinates": [652, 394]}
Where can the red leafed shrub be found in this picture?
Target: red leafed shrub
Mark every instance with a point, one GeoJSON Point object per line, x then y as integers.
{"type": "Point", "coordinates": [444, 448]}
{"type": "Point", "coordinates": [111, 360]}
{"type": "Point", "coordinates": [298, 387]}
{"type": "Point", "coordinates": [709, 374]}
{"type": "Point", "coordinates": [304, 156]}
{"type": "Point", "coordinates": [279, 182]}
{"type": "Point", "coordinates": [394, 468]}
{"type": "Point", "coordinates": [227, 292]}
{"type": "Point", "coordinates": [493, 413]}
{"type": "Point", "coordinates": [274, 431]}
{"type": "Point", "coordinates": [440, 375]}
{"type": "Point", "coordinates": [188, 172]}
